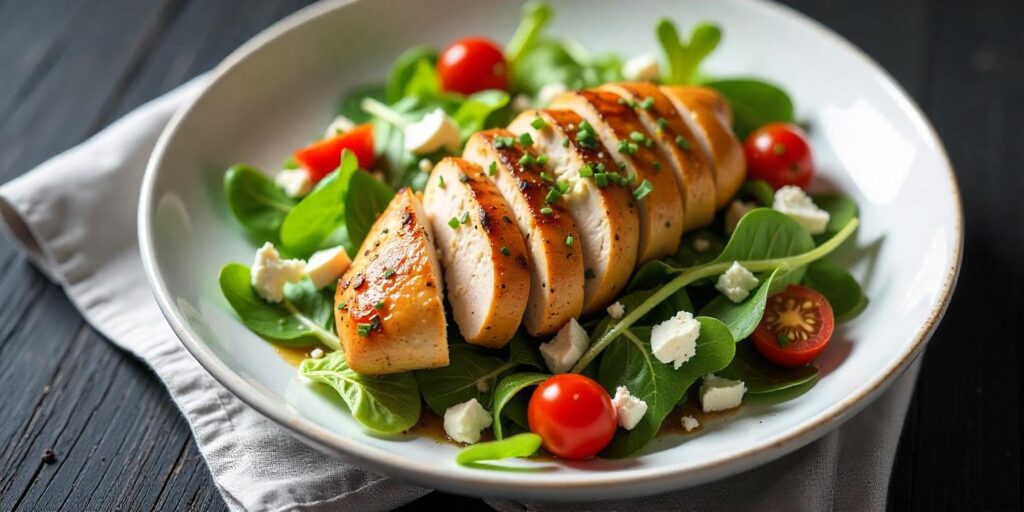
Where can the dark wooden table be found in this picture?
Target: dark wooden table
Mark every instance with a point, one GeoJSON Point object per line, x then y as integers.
{"type": "Point", "coordinates": [68, 68]}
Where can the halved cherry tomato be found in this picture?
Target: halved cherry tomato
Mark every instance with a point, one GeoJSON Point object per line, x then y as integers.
{"type": "Point", "coordinates": [573, 415]}
{"type": "Point", "coordinates": [796, 326]}
{"type": "Point", "coordinates": [322, 157]}
{"type": "Point", "coordinates": [779, 154]}
{"type": "Point", "coordinates": [471, 65]}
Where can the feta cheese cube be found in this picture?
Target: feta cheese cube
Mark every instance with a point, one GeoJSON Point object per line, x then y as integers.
{"type": "Point", "coordinates": [326, 266]}
{"type": "Point", "coordinates": [675, 340]}
{"type": "Point", "coordinates": [317, 353]}
{"type": "Point", "coordinates": [718, 394]}
{"type": "Point", "coordinates": [549, 91]}
{"type": "Point", "coordinates": [628, 408]}
{"type": "Point", "coordinates": [566, 347]}
{"type": "Point", "coordinates": [795, 203]}
{"type": "Point", "coordinates": [690, 423]}
{"type": "Point", "coordinates": [270, 273]}
{"type": "Point", "coordinates": [464, 422]}
{"type": "Point", "coordinates": [616, 310]}
{"type": "Point", "coordinates": [435, 131]}
{"type": "Point", "coordinates": [737, 209]}
{"type": "Point", "coordinates": [339, 125]}
{"type": "Point", "coordinates": [736, 282]}
{"type": "Point", "coordinates": [642, 67]}
{"type": "Point", "coordinates": [294, 182]}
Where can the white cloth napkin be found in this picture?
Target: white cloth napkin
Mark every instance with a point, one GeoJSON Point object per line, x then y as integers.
{"type": "Point", "coordinates": [74, 216]}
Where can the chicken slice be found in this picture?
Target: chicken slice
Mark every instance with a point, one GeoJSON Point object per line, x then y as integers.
{"type": "Point", "coordinates": [631, 146]}
{"type": "Point", "coordinates": [606, 216]}
{"type": "Point", "coordinates": [679, 146]}
{"type": "Point", "coordinates": [556, 269]}
{"type": "Point", "coordinates": [486, 270]}
{"type": "Point", "coordinates": [712, 116]}
{"type": "Point", "coordinates": [388, 307]}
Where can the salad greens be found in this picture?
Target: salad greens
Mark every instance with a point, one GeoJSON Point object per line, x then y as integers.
{"type": "Point", "coordinates": [344, 205]}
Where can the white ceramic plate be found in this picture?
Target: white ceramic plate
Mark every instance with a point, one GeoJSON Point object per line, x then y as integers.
{"type": "Point", "coordinates": [279, 90]}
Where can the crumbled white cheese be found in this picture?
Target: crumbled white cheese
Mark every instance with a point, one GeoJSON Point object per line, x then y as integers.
{"type": "Point", "coordinates": [690, 423]}
{"type": "Point", "coordinates": [674, 341]}
{"type": "Point", "coordinates": [339, 125]}
{"type": "Point", "coordinates": [326, 266]}
{"type": "Point", "coordinates": [737, 209]}
{"type": "Point", "coordinates": [425, 165]}
{"type": "Point", "coordinates": [521, 102]}
{"type": "Point", "coordinates": [317, 353]}
{"type": "Point", "coordinates": [628, 408]}
{"type": "Point", "coordinates": [718, 394]}
{"type": "Point", "coordinates": [435, 131]}
{"type": "Point", "coordinates": [464, 422]}
{"type": "Point", "coordinates": [270, 273]}
{"type": "Point", "coordinates": [566, 347]}
{"type": "Point", "coordinates": [294, 182]}
{"type": "Point", "coordinates": [616, 310]}
{"type": "Point", "coordinates": [736, 282]}
{"type": "Point", "coordinates": [549, 91]}
{"type": "Point", "coordinates": [642, 67]}
{"type": "Point", "coordinates": [701, 244]}
{"type": "Point", "coordinates": [795, 203]}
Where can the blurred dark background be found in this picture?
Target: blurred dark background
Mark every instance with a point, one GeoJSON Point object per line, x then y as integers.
{"type": "Point", "coordinates": [68, 68]}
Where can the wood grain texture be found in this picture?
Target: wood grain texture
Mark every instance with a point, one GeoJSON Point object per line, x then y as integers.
{"type": "Point", "coordinates": [69, 68]}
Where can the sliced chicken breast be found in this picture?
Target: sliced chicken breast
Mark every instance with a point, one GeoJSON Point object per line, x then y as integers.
{"type": "Point", "coordinates": [606, 216]}
{"type": "Point", "coordinates": [486, 270]}
{"type": "Point", "coordinates": [712, 116]}
{"type": "Point", "coordinates": [679, 146]}
{"type": "Point", "coordinates": [556, 269]}
{"type": "Point", "coordinates": [632, 147]}
{"type": "Point", "coordinates": [388, 308]}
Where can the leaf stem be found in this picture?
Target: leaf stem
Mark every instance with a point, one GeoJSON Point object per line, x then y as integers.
{"type": "Point", "coordinates": [320, 333]}
{"type": "Point", "coordinates": [707, 270]}
{"type": "Point", "coordinates": [384, 112]}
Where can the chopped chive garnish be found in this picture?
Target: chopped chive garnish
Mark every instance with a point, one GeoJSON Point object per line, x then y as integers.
{"type": "Point", "coordinates": [505, 251]}
{"type": "Point", "coordinates": [553, 195]}
{"type": "Point", "coordinates": [637, 136]}
{"type": "Point", "coordinates": [379, 305]}
{"type": "Point", "coordinates": [586, 171]}
{"type": "Point", "coordinates": [662, 123]}
{"type": "Point", "coordinates": [545, 177]}
{"type": "Point", "coordinates": [628, 103]}
{"type": "Point", "coordinates": [453, 222]}
{"type": "Point", "coordinates": [656, 165]}
{"type": "Point", "coordinates": [641, 191]}
{"type": "Point", "coordinates": [364, 329]}
{"type": "Point", "coordinates": [622, 166]}
{"type": "Point", "coordinates": [492, 169]}
{"type": "Point", "coordinates": [588, 274]}
{"type": "Point", "coordinates": [503, 142]}
{"type": "Point", "coordinates": [601, 179]}
{"type": "Point", "coordinates": [342, 305]}
{"type": "Point", "coordinates": [440, 181]}
{"type": "Point", "coordinates": [527, 159]}
{"type": "Point", "coordinates": [538, 123]}
{"type": "Point", "coordinates": [600, 167]}
{"type": "Point", "coordinates": [562, 187]}
{"type": "Point", "coordinates": [388, 273]}
{"type": "Point", "coordinates": [465, 217]}
{"type": "Point", "coordinates": [585, 126]}
{"type": "Point", "coordinates": [647, 103]}
{"type": "Point", "coordinates": [525, 139]}
{"type": "Point", "coordinates": [627, 147]}
{"type": "Point", "coordinates": [565, 142]}
{"type": "Point", "coordinates": [541, 160]}
{"type": "Point", "coordinates": [682, 142]}
{"type": "Point", "coordinates": [463, 178]}
{"type": "Point", "coordinates": [569, 240]}
{"type": "Point", "coordinates": [384, 231]}
{"type": "Point", "coordinates": [546, 211]}
{"type": "Point", "coordinates": [648, 143]}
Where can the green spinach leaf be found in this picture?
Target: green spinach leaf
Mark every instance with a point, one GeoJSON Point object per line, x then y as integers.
{"type": "Point", "coordinates": [754, 103]}
{"type": "Point", "coordinates": [688, 256]}
{"type": "Point", "coordinates": [764, 234]}
{"type": "Point", "coordinates": [471, 373]}
{"type": "Point", "coordinates": [520, 445]}
{"type": "Point", "coordinates": [508, 388]}
{"type": "Point", "coordinates": [472, 116]}
{"type": "Point", "coordinates": [320, 213]}
{"type": "Point", "coordinates": [526, 351]}
{"type": "Point", "coordinates": [351, 105]}
{"type": "Point", "coordinates": [305, 317]}
{"type": "Point", "coordinates": [760, 191]}
{"type": "Point", "coordinates": [536, 16]}
{"type": "Point", "coordinates": [258, 204]}
{"type": "Point", "coordinates": [387, 403]}
{"type": "Point", "coordinates": [762, 377]}
{"type": "Point", "coordinates": [838, 286]}
{"type": "Point", "coordinates": [741, 318]}
{"type": "Point", "coordinates": [628, 362]}
{"type": "Point", "coordinates": [407, 66]}
{"type": "Point", "coordinates": [652, 274]}
{"type": "Point", "coordinates": [367, 197]}
{"type": "Point", "coordinates": [841, 210]}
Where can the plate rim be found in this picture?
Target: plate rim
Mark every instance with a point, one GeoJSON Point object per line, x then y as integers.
{"type": "Point", "coordinates": [598, 485]}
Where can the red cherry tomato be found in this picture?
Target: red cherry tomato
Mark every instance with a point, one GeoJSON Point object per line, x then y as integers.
{"type": "Point", "coordinates": [796, 326]}
{"type": "Point", "coordinates": [573, 415]}
{"type": "Point", "coordinates": [471, 65]}
{"type": "Point", "coordinates": [779, 154]}
{"type": "Point", "coordinates": [322, 157]}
